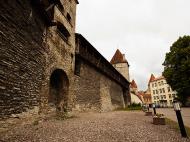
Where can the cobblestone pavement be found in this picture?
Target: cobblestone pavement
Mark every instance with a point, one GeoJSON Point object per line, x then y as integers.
{"type": "Point", "coordinates": [170, 113]}
{"type": "Point", "coordinates": [118, 126]}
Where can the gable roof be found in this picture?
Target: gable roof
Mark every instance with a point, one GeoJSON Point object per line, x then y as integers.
{"type": "Point", "coordinates": [118, 58]}
{"type": "Point", "coordinates": [152, 78]}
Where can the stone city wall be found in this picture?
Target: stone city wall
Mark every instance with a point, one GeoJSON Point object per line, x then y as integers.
{"type": "Point", "coordinates": [100, 86]}
{"type": "Point", "coordinates": [96, 92]}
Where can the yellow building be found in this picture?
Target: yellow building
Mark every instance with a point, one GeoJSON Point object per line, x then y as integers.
{"type": "Point", "coordinates": [161, 93]}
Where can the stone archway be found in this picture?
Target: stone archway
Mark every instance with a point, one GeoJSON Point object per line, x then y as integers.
{"type": "Point", "coordinates": [58, 90]}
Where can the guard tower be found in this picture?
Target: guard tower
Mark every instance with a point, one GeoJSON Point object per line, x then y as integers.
{"type": "Point", "coordinates": [120, 63]}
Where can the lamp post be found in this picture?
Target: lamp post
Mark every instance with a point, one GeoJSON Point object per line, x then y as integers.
{"type": "Point", "coordinates": [179, 118]}
{"type": "Point", "coordinates": [154, 108]}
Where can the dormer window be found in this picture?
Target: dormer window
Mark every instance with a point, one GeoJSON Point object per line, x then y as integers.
{"type": "Point", "coordinates": [62, 31]}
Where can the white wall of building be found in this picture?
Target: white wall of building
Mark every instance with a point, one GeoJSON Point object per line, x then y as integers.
{"type": "Point", "coordinates": [135, 99]}
{"type": "Point", "coordinates": [123, 68]}
{"type": "Point", "coordinates": [161, 93]}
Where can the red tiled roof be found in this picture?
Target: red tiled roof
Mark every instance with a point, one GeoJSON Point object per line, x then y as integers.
{"type": "Point", "coordinates": [141, 93]}
{"type": "Point", "coordinates": [133, 84]}
{"type": "Point", "coordinates": [140, 97]}
{"type": "Point", "coordinates": [147, 95]}
{"type": "Point", "coordinates": [144, 95]}
{"type": "Point", "coordinates": [118, 58]}
{"type": "Point", "coordinates": [152, 78]}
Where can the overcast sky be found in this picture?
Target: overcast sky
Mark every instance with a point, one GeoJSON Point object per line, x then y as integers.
{"type": "Point", "coordinates": [143, 30]}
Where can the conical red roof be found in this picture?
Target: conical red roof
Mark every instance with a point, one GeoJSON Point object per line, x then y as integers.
{"type": "Point", "coordinates": [118, 58]}
{"type": "Point", "coordinates": [133, 84]}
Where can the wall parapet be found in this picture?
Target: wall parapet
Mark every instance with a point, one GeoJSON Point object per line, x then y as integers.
{"type": "Point", "coordinates": [86, 52]}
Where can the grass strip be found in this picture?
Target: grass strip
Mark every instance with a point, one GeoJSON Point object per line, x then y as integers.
{"type": "Point", "coordinates": [175, 125]}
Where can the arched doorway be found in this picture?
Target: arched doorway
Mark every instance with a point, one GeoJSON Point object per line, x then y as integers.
{"type": "Point", "coordinates": [58, 91]}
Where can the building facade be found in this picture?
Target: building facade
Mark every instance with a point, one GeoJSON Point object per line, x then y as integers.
{"type": "Point", "coordinates": [161, 93]}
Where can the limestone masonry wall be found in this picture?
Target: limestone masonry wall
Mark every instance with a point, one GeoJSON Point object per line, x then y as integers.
{"type": "Point", "coordinates": [88, 91]}
{"type": "Point", "coordinates": [31, 49]}
{"type": "Point", "coordinates": [22, 57]}
{"type": "Point", "coordinates": [123, 68]}
{"type": "Point", "coordinates": [97, 92]}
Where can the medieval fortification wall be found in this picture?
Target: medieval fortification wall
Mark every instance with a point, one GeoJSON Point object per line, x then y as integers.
{"type": "Point", "coordinates": [37, 62]}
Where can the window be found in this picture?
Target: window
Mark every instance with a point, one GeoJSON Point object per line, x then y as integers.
{"type": "Point", "coordinates": [163, 90]}
{"type": "Point", "coordinates": [155, 85]}
{"type": "Point", "coordinates": [159, 83]}
{"type": "Point", "coordinates": [77, 67]}
{"type": "Point", "coordinates": [161, 97]}
{"type": "Point", "coordinates": [170, 96]}
{"type": "Point", "coordinates": [173, 95]}
{"type": "Point", "coordinates": [164, 96]}
{"type": "Point", "coordinates": [68, 17]}
{"type": "Point", "coordinates": [154, 97]}
{"type": "Point", "coordinates": [153, 91]}
{"type": "Point", "coordinates": [156, 91]}
{"type": "Point", "coordinates": [160, 90]}
{"type": "Point", "coordinates": [62, 31]}
{"type": "Point", "coordinates": [168, 89]}
{"type": "Point", "coordinates": [152, 84]}
{"type": "Point", "coordinates": [162, 82]}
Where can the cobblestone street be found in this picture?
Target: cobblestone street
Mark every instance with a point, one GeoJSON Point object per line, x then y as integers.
{"type": "Point", "coordinates": [116, 126]}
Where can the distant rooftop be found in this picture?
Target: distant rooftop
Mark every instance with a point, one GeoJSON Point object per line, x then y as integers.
{"type": "Point", "coordinates": [133, 84]}
{"type": "Point", "coordinates": [118, 58]}
{"type": "Point", "coordinates": [153, 78]}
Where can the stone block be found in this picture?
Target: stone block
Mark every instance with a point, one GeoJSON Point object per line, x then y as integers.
{"type": "Point", "coordinates": [159, 120]}
{"type": "Point", "coordinates": [148, 113]}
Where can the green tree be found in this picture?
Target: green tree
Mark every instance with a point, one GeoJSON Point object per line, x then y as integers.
{"type": "Point", "coordinates": [177, 68]}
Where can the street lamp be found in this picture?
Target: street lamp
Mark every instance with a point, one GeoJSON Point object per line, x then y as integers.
{"type": "Point", "coordinates": [176, 106]}
{"type": "Point", "coordinates": [177, 109]}
{"type": "Point", "coordinates": [154, 108]}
